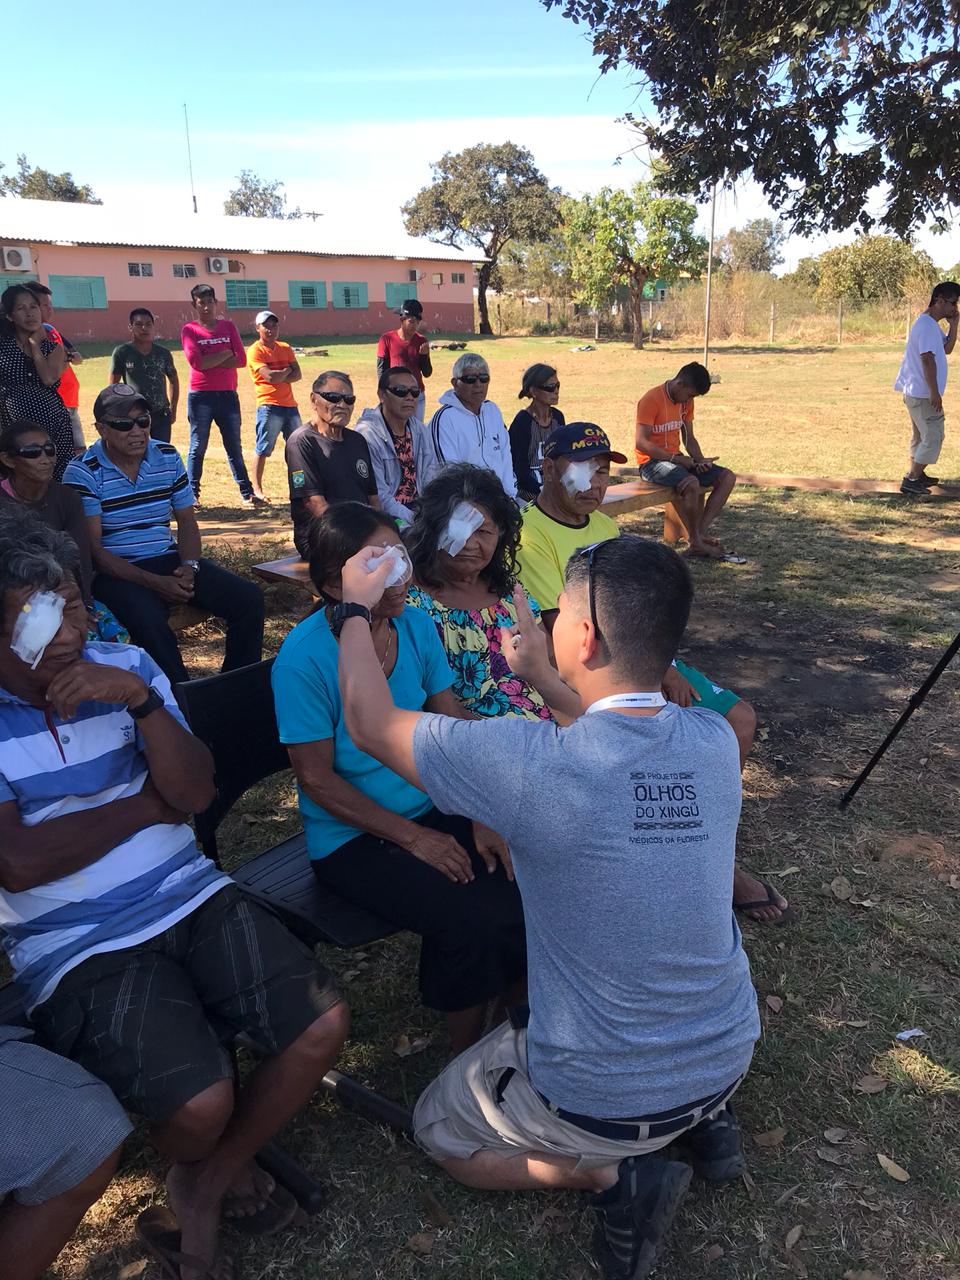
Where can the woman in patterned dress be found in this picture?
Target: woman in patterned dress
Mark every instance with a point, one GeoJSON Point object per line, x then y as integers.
{"type": "Point", "coordinates": [30, 367]}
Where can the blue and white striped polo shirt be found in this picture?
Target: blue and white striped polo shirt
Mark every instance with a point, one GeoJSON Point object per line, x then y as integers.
{"type": "Point", "coordinates": [134, 515]}
{"type": "Point", "coordinates": [51, 767]}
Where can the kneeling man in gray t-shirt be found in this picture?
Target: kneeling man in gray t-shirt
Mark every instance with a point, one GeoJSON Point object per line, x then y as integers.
{"type": "Point", "coordinates": [622, 828]}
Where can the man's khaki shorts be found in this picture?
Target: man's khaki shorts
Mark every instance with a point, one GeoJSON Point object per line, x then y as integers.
{"type": "Point", "coordinates": [475, 1104]}
{"type": "Point", "coordinates": [926, 439]}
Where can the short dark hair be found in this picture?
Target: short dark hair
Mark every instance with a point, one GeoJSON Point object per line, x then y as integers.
{"type": "Point", "coordinates": [36, 287]}
{"type": "Point", "coordinates": [384, 380]}
{"type": "Point", "coordinates": [322, 379]}
{"type": "Point", "coordinates": [696, 376]}
{"type": "Point", "coordinates": [339, 534]}
{"type": "Point", "coordinates": [200, 289]}
{"type": "Point", "coordinates": [535, 376]}
{"type": "Point", "coordinates": [643, 592]}
{"type": "Point", "coordinates": [947, 291]}
{"type": "Point", "coordinates": [463, 482]}
{"type": "Point", "coordinates": [14, 432]}
{"type": "Point", "coordinates": [141, 311]}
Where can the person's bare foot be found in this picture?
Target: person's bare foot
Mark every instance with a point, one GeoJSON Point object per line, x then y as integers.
{"type": "Point", "coordinates": [747, 888]}
{"type": "Point", "coordinates": [198, 1217]}
{"type": "Point", "coordinates": [249, 1193]}
{"type": "Point", "coordinates": [705, 550]}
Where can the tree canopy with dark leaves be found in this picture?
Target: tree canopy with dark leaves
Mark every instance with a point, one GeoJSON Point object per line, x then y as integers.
{"type": "Point", "coordinates": [820, 101]}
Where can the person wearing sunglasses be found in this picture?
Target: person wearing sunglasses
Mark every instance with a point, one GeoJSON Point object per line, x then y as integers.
{"type": "Point", "coordinates": [133, 488]}
{"type": "Point", "coordinates": [622, 828]}
{"type": "Point", "coordinates": [407, 347]}
{"type": "Point", "coordinates": [468, 427]}
{"type": "Point", "coordinates": [530, 428]}
{"type": "Point", "coordinates": [401, 449]}
{"type": "Point", "coordinates": [327, 462]}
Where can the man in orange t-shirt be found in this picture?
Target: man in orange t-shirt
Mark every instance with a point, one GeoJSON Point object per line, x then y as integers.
{"type": "Point", "coordinates": [273, 367]}
{"type": "Point", "coordinates": [664, 429]}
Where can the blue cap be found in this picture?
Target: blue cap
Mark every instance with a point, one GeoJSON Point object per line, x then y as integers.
{"type": "Point", "coordinates": [580, 440]}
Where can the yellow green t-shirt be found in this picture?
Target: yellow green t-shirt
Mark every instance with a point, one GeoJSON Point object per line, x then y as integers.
{"type": "Point", "coordinates": [547, 544]}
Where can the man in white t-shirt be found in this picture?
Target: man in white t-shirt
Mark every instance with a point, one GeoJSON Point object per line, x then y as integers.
{"type": "Point", "coordinates": [923, 380]}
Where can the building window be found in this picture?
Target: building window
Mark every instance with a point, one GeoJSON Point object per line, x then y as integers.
{"type": "Point", "coordinates": [349, 296]}
{"type": "Point", "coordinates": [79, 293]}
{"type": "Point", "coordinates": [397, 294]}
{"type": "Point", "coordinates": [139, 268]}
{"type": "Point", "coordinates": [307, 295]}
{"type": "Point", "coordinates": [184, 270]}
{"type": "Point", "coordinates": [413, 275]}
{"type": "Point", "coordinates": [458, 277]}
{"type": "Point", "coordinates": [246, 293]}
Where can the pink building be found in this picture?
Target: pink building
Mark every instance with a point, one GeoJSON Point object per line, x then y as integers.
{"type": "Point", "coordinates": [100, 262]}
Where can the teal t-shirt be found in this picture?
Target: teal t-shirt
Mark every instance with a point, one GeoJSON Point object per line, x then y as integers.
{"type": "Point", "coordinates": [306, 691]}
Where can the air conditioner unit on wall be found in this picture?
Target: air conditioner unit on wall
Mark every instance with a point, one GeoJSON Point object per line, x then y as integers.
{"type": "Point", "coordinates": [218, 266]}
{"type": "Point", "coordinates": [16, 257]}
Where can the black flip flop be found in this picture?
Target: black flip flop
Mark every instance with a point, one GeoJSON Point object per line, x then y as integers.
{"type": "Point", "coordinates": [279, 1211]}
{"type": "Point", "coordinates": [787, 913]}
{"type": "Point", "coordinates": [159, 1234]}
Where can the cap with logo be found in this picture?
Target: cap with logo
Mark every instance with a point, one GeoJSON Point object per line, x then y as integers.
{"type": "Point", "coordinates": [411, 308]}
{"type": "Point", "coordinates": [116, 402]}
{"type": "Point", "coordinates": [263, 316]}
{"type": "Point", "coordinates": [580, 440]}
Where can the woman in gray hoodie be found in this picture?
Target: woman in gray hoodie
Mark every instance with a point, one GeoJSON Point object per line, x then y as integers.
{"type": "Point", "coordinates": [401, 448]}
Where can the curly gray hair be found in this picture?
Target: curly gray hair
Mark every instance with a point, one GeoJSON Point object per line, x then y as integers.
{"type": "Point", "coordinates": [34, 555]}
{"type": "Point", "coordinates": [469, 360]}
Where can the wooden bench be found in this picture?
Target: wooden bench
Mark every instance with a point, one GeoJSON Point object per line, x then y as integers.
{"type": "Point", "coordinates": [620, 500]}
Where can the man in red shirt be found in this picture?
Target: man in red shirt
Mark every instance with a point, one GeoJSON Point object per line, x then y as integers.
{"type": "Point", "coordinates": [408, 349]}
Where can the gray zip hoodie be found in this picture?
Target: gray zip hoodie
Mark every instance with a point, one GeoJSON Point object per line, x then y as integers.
{"type": "Point", "coordinates": [386, 466]}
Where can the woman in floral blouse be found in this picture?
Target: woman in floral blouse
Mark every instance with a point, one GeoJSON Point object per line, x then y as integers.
{"type": "Point", "coordinates": [468, 590]}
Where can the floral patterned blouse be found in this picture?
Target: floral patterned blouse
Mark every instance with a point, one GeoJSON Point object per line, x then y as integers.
{"type": "Point", "coordinates": [407, 489]}
{"type": "Point", "coordinates": [482, 678]}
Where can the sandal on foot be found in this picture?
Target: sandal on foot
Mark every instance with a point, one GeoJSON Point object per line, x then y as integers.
{"type": "Point", "coordinates": [159, 1234]}
{"type": "Point", "coordinates": [279, 1211]}
{"type": "Point", "coordinates": [787, 913]}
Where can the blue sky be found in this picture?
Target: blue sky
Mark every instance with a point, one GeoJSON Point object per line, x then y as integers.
{"type": "Point", "coordinates": [347, 103]}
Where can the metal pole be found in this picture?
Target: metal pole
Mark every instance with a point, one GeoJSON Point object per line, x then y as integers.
{"type": "Point", "coordinates": [840, 322]}
{"type": "Point", "coordinates": [773, 320]}
{"type": "Point", "coordinates": [186, 125]}
{"type": "Point", "coordinates": [706, 318]}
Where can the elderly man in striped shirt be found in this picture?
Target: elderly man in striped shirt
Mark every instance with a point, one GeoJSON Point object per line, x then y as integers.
{"type": "Point", "coordinates": [132, 487]}
{"type": "Point", "coordinates": [137, 956]}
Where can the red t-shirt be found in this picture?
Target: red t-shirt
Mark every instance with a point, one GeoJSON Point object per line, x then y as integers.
{"type": "Point", "coordinates": [402, 354]}
{"type": "Point", "coordinates": [69, 388]}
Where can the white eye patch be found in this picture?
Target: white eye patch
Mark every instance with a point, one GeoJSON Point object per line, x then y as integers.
{"type": "Point", "coordinates": [402, 570]}
{"type": "Point", "coordinates": [464, 520]}
{"type": "Point", "coordinates": [36, 625]}
{"type": "Point", "coordinates": [579, 475]}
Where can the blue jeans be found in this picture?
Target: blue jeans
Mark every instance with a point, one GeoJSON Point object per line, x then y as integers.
{"type": "Point", "coordinates": [272, 419]}
{"type": "Point", "coordinates": [223, 408]}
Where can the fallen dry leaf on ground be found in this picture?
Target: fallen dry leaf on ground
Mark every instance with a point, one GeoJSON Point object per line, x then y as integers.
{"type": "Point", "coordinates": [891, 1167]}
{"type": "Point", "coordinates": [793, 1235]}
{"type": "Point", "coordinates": [714, 1252]}
{"type": "Point", "coordinates": [871, 1084]}
{"type": "Point", "coordinates": [403, 1046]}
{"type": "Point", "coordinates": [772, 1138]}
{"type": "Point", "coordinates": [774, 1004]}
{"type": "Point", "coordinates": [835, 1135]}
{"type": "Point", "coordinates": [841, 888]}
{"type": "Point", "coordinates": [435, 1210]}
{"type": "Point", "coordinates": [833, 1156]}
{"type": "Point", "coordinates": [422, 1244]}
{"type": "Point", "coordinates": [862, 1275]}
{"type": "Point", "coordinates": [784, 1196]}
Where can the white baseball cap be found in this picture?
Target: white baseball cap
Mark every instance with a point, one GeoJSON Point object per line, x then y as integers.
{"type": "Point", "coordinates": [264, 316]}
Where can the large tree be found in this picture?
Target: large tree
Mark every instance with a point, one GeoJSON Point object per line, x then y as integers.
{"type": "Point", "coordinates": [873, 269]}
{"type": "Point", "coordinates": [485, 198]}
{"type": "Point", "coordinates": [537, 270]}
{"type": "Point", "coordinates": [627, 238]}
{"type": "Point", "coordinates": [755, 247]}
{"type": "Point", "coordinates": [33, 183]}
{"type": "Point", "coordinates": [256, 197]}
{"type": "Point", "coordinates": [822, 101]}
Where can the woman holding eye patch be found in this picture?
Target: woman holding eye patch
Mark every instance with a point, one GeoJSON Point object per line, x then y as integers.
{"type": "Point", "coordinates": [27, 463]}
{"type": "Point", "coordinates": [400, 445]}
{"type": "Point", "coordinates": [326, 461]}
{"type": "Point", "coordinates": [530, 427]}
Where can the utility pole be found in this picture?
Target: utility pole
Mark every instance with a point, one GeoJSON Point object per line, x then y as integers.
{"type": "Point", "coordinates": [186, 125]}
{"type": "Point", "coordinates": [706, 319]}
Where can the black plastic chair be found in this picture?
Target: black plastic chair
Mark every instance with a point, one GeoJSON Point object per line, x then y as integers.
{"type": "Point", "coordinates": [233, 714]}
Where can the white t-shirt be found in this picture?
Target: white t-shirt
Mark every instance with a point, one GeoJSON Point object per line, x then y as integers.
{"type": "Point", "coordinates": [925, 336]}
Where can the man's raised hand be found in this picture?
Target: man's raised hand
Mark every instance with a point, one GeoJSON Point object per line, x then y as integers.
{"type": "Point", "coordinates": [361, 585]}
{"type": "Point", "coordinates": [525, 645]}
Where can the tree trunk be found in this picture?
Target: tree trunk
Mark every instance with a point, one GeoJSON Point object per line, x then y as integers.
{"type": "Point", "coordinates": [483, 279]}
{"type": "Point", "coordinates": [636, 308]}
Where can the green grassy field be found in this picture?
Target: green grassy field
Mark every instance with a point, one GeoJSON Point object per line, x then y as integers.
{"type": "Point", "coordinates": [788, 410]}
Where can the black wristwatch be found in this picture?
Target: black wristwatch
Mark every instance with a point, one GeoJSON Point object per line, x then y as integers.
{"type": "Point", "coordinates": [341, 612]}
{"type": "Point", "coordinates": [152, 702]}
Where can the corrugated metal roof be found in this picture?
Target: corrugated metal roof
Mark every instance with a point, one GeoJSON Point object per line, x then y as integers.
{"type": "Point", "coordinates": [53, 221]}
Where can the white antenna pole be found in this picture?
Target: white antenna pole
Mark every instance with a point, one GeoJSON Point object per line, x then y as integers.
{"type": "Point", "coordinates": [186, 125]}
{"type": "Point", "coordinates": [706, 319]}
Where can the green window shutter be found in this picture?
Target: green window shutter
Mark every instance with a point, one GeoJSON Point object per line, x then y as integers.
{"type": "Point", "coordinates": [397, 294]}
{"type": "Point", "coordinates": [79, 293]}
{"type": "Point", "coordinates": [349, 295]}
{"type": "Point", "coordinates": [307, 295]}
{"type": "Point", "coordinates": [251, 294]}
{"type": "Point", "coordinates": [7, 278]}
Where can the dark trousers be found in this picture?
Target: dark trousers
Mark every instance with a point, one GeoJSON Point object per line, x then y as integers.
{"type": "Point", "coordinates": [145, 614]}
{"type": "Point", "coordinates": [160, 426]}
{"type": "Point", "coordinates": [222, 407]}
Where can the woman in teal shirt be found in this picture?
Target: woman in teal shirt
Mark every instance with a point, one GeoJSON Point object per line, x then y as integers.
{"type": "Point", "coordinates": [374, 838]}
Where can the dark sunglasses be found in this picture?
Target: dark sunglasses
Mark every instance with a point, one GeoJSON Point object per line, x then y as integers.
{"type": "Point", "coordinates": [49, 450]}
{"type": "Point", "coordinates": [471, 378]}
{"type": "Point", "coordinates": [591, 554]}
{"type": "Point", "coordinates": [127, 424]}
{"type": "Point", "coordinates": [403, 393]}
{"type": "Point", "coordinates": [336, 397]}
{"type": "Point", "coordinates": [548, 386]}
